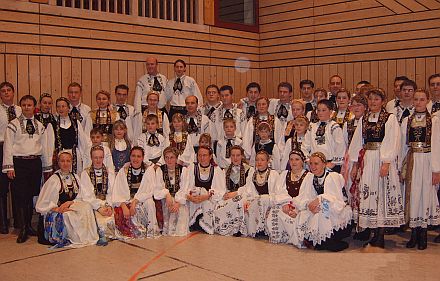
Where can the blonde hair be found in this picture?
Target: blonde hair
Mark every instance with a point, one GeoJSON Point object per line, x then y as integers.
{"type": "Point", "coordinates": [118, 125]}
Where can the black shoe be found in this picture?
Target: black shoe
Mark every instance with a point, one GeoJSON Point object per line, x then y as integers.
{"type": "Point", "coordinates": [437, 239]}
{"type": "Point", "coordinates": [332, 245]}
{"type": "Point", "coordinates": [423, 239]}
{"type": "Point", "coordinates": [238, 234]}
{"type": "Point", "coordinates": [22, 236]}
{"type": "Point", "coordinates": [363, 235]}
{"type": "Point", "coordinates": [414, 238]}
{"type": "Point", "coordinates": [379, 239]}
{"type": "Point", "coordinates": [31, 231]}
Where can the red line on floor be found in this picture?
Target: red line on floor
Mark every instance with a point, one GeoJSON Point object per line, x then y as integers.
{"type": "Point", "coordinates": [160, 254]}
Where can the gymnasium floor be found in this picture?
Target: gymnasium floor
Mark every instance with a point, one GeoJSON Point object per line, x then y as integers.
{"type": "Point", "coordinates": [204, 257]}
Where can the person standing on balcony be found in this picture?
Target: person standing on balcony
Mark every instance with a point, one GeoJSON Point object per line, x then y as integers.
{"type": "Point", "coordinates": [179, 88]}
{"type": "Point", "coordinates": [152, 81]}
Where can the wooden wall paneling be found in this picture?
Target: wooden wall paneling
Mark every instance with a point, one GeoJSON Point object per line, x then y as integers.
{"type": "Point", "coordinates": [55, 69]}
{"type": "Point", "coordinates": [365, 71]}
{"type": "Point", "coordinates": [105, 76]}
{"type": "Point", "coordinates": [349, 83]}
{"type": "Point", "coordinates": [325, 76]}
{"type": "Point", "coordinates": [213, 75]}
{"type": "Point", "coordinates": [283, 74]}
{"type": "Point", "coordinates": [2, 67]}
{"type": "Point", "coordinates": [76, 70]}
{"type": "Point", "coordinates": [318, 76]}
{"type": "Point", "coordinates": [374, 72]}
{"type": "Point", "coordinates": [411, 68]}
{"type": "Point", "coordinates": [141, 72]}
{"type": "Point", "coordinates": [311, 72]}
{"type": "Point", "coordinates": [45, 74]}
{"type": "Point", "coordinates": [383, 75]}
{"type": "Point", "coordinates": [199, 73]}
{"type": "Point", "coordinates": [333, 69]}
{"type": "Point", "coordinates": [66, 74]}
{"type": "Point", "coordinates": [89, 97]}
{"type": "Point", "coordinates": [392, 73]}
{"type": "Point", "coordinates": [219, 75]}
{"type": "Point", "coordinates": [341, 72]}
{"type": "Point", "coordinates": [247, 78]}
{"type": "Point", "coordinates": [114, 74]}
{"type": "Point", "coordinates": [269, 82]}
{"type": "Point", "coordinates": [262, 82]}
{"type": "Point", "coordinates": [401, 67]}
{"type": "Point", "coordinates": [34, 75]}
{"type": "Point", "coordinates": [437, 65]}
{"type": "Point", "coordinates": [272, 93]}
{"type": "Point", "coordinates": [96, 79]}
{"type": "Point", "coordinates": [170, 71]}
{"type": "Point", "coordinates": [232, 77]}
{"type": "Point", "coordinates": [303, 72]}
{"type": "Point", "coordinates": [420, 73]}
{"type": "Point", "coordinates": [357, 72]}
{"type": "Point", "coordinates": [225, 76]}
{"type": "Point", "coordinates": [123, 72]}
{"type": "Point", "coordinates": [131, 82]}
{"type": "Point", "coordinates": [430, 68]}
{"type": "Point", "coordinates": [296, 78]}
{"type": "Point", "coordinates": [11, 70]}
{"type": "Point", "coordinates": [23, 76]}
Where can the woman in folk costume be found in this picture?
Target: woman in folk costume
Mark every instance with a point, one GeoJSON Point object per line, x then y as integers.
{"type": "Point", "coordinates": [419, 135]}
{"type": "Point", "coordinates": [324, 217]}
{"type": "Point", "coordinates": [104, 117]}
{"type": "Point", "coordinates": [301, 124]}
{"type": "Point", "coordinates": [97, 182]}
{"type": "Point", "coordinates": [132, 198]}
{"type": "Point", "coordinates": [342, 113]}
{"type": "Point", "coordinates": [282, 222]}
{"type": "Point", "coordinates": [69, 134]}
{"type": "Point", "coordinates": [261, 192]}
{"type": "Point", "coordinates": [250, 136]}
{"type": "Point", "coordinates": [170, 190]}
{"type": "Point", "coordinates": [179, 138]}
{"type": "Point", "coordinates": [229, 212]}
{"type": "Point", "coordinates": [204, 187]}
{"type": "Point", "coordinates": [120, 145]}
{"type": "Point", "coordinates": [140, 120]}
{"type": "Point", "coordinates": [44, 114]}
{"type": "Point", "coordinates": [379, 201]}
{"type": "Point", "coordinates": [68, 220]}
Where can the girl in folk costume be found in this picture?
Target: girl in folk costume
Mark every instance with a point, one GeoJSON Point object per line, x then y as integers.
{"type": "Point", "coordinates": [251, 137]}
{"type": "Point", "coordinates": [229, 212]}
{"type": "Point", "coordinates": [103, 117]}
{"type": "Point", "coordinates": [120, 145]}
{"type": "Point", "coordinates": [342, 114]}
{"type": "Point", "coordinates": [358, 107]}
{"type": "Point", "coordinates": [319, 94]}
{"type": "Point", "coordinates": [179, 139]}
{"type": "Point", "coordinates": [324, 217]}
{"type": "Point", "coordinates": [282, 222]}
{"type": "Point", "coordinates": [132, 197]}
{"type": "Point", "coordinates": [170, 190]}
{"type": "Point", "coordinates": [224, 145]}
{"type": "Point", "coordinates": [152, 142]}
{"type": "Point", "coordinates": [260, 192]}
{"type": "Point", "coordinates": [378, 197]}
{"type": "Point", "coordinates": [419, 134]}
{"type": "Point", "coordinates": [298, 109]}
{"type": "Point", "coordinates": [206, 140]}
{"type": "Point", "coordinates": [301, 123]}
{"type": "Point", "coordinates": [265, 143]}
{"type": "Point", "coordinates": [97, 183]}
{"type": "Point", "coordinates": [140, 125]}
{"type": "Point", "coordinates": [44, 114]}
{"type": "Point", "coordinates": [204, 187]}
{"type": "Point", "coordinates": [69, 134]}
{"type": "Point", "coordinates": [325, 136]}
{"type": "Point", "coordinates": [68, 219]}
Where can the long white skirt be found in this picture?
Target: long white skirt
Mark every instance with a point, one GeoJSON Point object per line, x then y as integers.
{"type": "Point", "coordinates": [320, 226]}
{"type": "Point", "coordinates": [206, 209]}
{"type": "Point", "coordinates": [229, 217]}
{"type": "Point", "coordinates": [381, 200]}
{"type": "Point", "coordinates": [282, 228]}
{"type": "Point", "coordinates": [106, 225]}
{"type": "Point", "coordinates": [424, 205]}
{"type": "Point", "coordinates": [255, 217]}
{"type": "Point", "coordinates": [175, 224]}
{"type": "Point", "coordinates": [81, 225]}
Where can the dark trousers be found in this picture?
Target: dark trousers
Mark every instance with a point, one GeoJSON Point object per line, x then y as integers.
{"type": "Point", "coordinates": [4, 189]}
{"type": "Point", "coordinates": [25, 186]}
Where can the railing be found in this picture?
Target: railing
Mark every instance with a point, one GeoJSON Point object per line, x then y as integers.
{"type": "Point", "coordinates": [189, 11]}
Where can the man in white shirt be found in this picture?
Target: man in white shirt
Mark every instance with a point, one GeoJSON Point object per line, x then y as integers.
{"type": "Point", "coordinates": [179, 88]}
{"type": "Point", "coordinates": [8, 112]}
{"type": "Point", "coordinates": [197, 122]}
{"type": "Point", "coordinates": [212, 101]}
{"type": "Point", "coordinates": [307, 88]}
{"type": "Point", "coordinates": [434, 90]}
{"type": "Point", "coordinates": [229, 110]}
{"type": "Point", "coordinates": [78, 110]}
{"type": "Point", "coordinates": [334, 85]}
{"type": "Point", "coordinates": [281, 106]}
{"type": "Point", "coordinates": [248, 104]}
{"type": "Point", "coordinates": [396, 101]}
{"type": "Point", "coordinates": [406, 104]}
{"type": "Point", "coordinates": [152, 81]}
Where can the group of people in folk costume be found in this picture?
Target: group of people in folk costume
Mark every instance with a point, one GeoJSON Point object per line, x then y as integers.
{"type": "Point", "coordinates": [305, 171]}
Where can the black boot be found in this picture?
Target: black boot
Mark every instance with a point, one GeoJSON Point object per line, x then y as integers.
{"type": "Point", "coordinates": [4, 224]}
{"type": "Point", "coordinates": [414, 238]}
{"type": "Point", "coordinates": [40, 231]}
{"type": "Point", "coordinates": [423, 239]}
{"type": "Point", "coordinates": [21, 219]}
{"type": "Point", "coordinates": [375, 232]}
{"type": "Point", "coordinates": [379, 239]}
{"type": "Point", "coordinates": [31, 231]}
{"type": "Point", "coordinates": [363, 235]}
{"type": "Point", "coordinates": [437, 239]}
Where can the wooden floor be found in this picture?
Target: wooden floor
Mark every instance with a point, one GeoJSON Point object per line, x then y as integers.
{"type": "Point", "coordinates": [211, 257]}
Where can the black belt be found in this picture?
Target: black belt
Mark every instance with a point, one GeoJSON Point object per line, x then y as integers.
{"type": "Point", "coordinates": [178, 107]}
{"type": "Point", "coordinates": [29, 157]}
